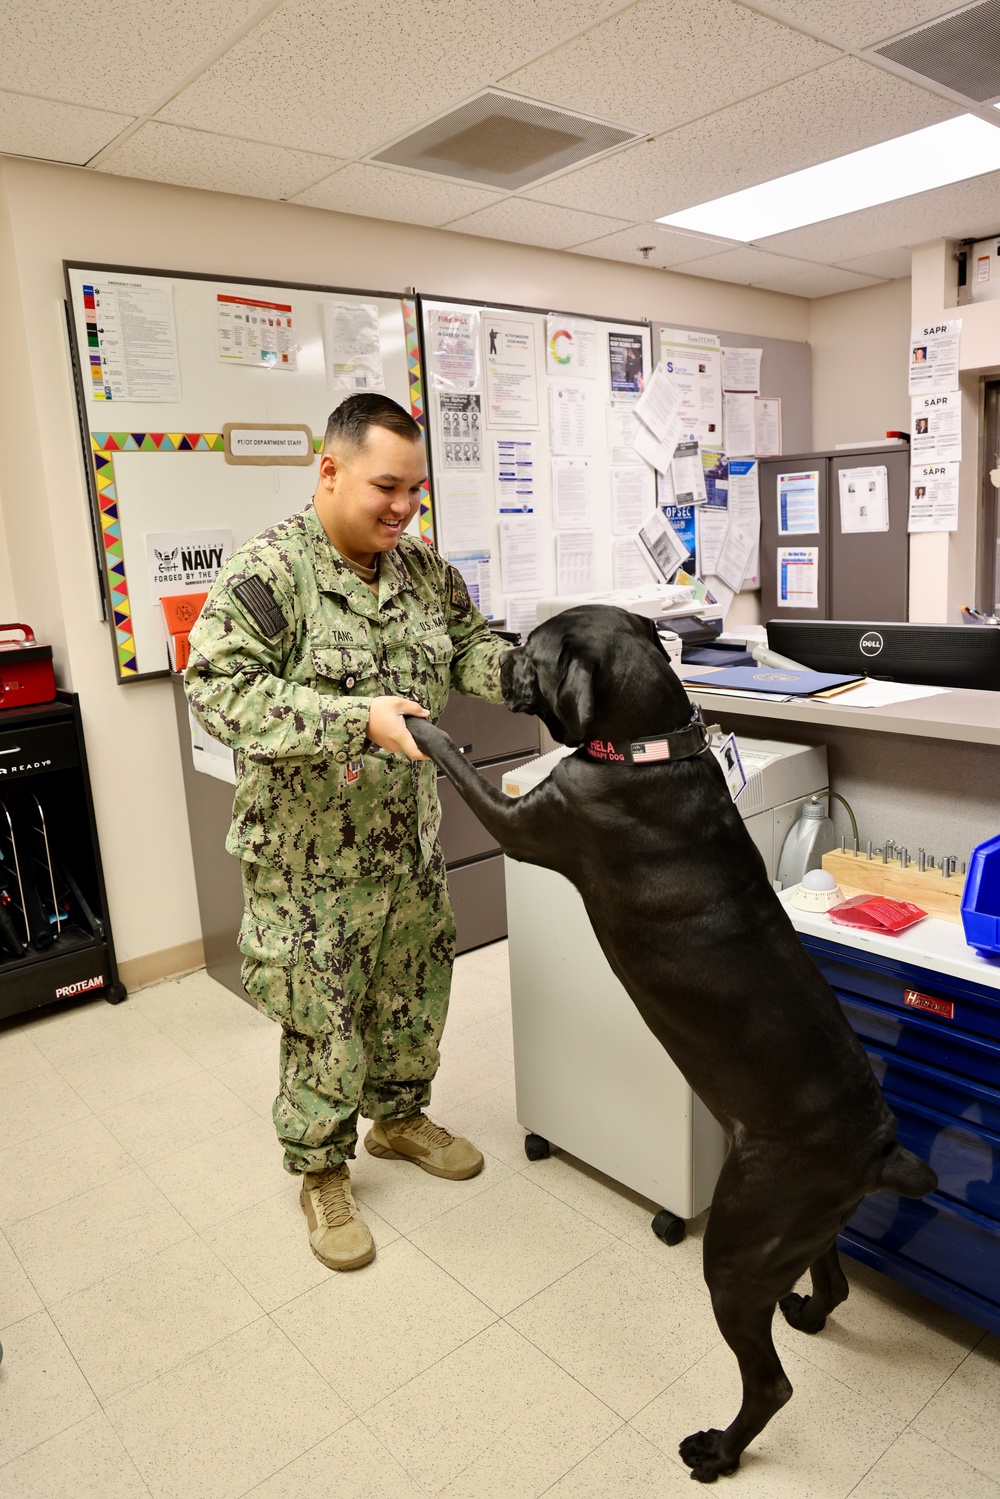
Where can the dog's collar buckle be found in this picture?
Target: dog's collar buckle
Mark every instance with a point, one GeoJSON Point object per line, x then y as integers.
{"type": "Point", "coordinates": [682, 744]}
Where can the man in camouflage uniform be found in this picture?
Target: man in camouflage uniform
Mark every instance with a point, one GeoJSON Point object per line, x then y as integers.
{"type": "Point", "coordinates": [318, 639]}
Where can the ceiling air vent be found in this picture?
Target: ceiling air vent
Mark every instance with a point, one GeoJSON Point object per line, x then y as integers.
{"type": "Point", "coordinates": [962, 51]}
{"type": "Point", "coordinates": [499, 140]}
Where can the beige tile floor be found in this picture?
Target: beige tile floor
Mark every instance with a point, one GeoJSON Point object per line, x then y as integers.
{"type": "Point", "coordinates": [168, 1333]}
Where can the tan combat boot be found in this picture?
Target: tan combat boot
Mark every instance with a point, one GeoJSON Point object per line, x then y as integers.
{"type": "Point", "coordinates": [338, 1236]}
{"type": "Point", "coordinates": [427, 1145]}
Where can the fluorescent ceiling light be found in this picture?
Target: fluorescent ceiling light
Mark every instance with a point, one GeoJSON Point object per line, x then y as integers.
{"type": "Point", "coordinates": [934, 157]}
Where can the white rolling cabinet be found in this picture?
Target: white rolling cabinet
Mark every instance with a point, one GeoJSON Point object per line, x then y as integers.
{"type": "Point", "coordinates": [590, 1077]}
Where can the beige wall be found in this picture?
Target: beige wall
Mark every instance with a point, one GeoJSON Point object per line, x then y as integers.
{"type": "Point", "coordinates": [859, 364]}
{"type": "Point", "coordinates": [49, 213]}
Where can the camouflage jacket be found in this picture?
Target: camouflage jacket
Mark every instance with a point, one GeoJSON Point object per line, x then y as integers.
{"type": "Point", "coordinates": [286, 657]}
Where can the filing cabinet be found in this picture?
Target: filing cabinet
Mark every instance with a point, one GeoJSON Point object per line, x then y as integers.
{"type": "Point", "coordinates": [934, 1044]}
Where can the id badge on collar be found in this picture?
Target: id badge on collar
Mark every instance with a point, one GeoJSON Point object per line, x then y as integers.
{"type": "Point", "coordinates": [728, 757]}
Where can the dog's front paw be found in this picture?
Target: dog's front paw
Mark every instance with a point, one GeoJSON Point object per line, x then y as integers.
{"type": "Point", "coordinates": [796, 1313]}
{"type": "Point", "coordinates": [703, 1453]}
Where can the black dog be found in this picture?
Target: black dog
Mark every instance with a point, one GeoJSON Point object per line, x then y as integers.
{"type": "Point", "coordinates": [641, 821]}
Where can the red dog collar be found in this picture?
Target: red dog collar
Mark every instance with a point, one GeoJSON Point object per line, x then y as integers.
{"type": "Point", "coordinates": [682, 744]}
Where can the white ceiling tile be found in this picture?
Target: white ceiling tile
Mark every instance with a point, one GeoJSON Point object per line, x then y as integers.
{"type": "Point", "coordinates": [328, 75]}
{"type": "Point", "coordinates": [117, 54]}
{"type": "Point", "coordinates": [195, 158]}
{"type": "Point", "coordinates": [892, 265]}
{"type": "Point", "coordinates": [840, 108]}
{"type": "Point", "coordinates": [382, 193]}
{"type": "Point", "coordinates": [536, 224]}
{"type": "Point", "coordinates": [662, 62]}
{"type": "Point", "coordinates": [859, 23]}
{"type": "Point", "coordinates": [56, 132]}
{"type": "Point", "coordinates": [668, 246]}
{"type": "Point", "coordinates": [799, 278]}
{"type": "Point", "coordinates": [965, 210]}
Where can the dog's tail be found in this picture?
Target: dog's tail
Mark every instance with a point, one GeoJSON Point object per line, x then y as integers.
{"type": "Point", "coordinates": [905, 1173]}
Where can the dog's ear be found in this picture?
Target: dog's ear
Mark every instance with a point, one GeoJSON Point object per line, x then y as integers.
{"type": "Point", "coordinates": [574, 703]}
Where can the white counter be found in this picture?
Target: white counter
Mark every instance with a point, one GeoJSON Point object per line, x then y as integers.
{"type": "Point", "coordinates": [932, 943]}
{"type": "Point", "coordinates": [961, 714]}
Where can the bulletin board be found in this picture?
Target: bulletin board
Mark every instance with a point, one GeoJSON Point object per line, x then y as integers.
{"type": "Point", "coordinates": [537, 489]}
{"type": "Point", "coordinates": [164, 361]}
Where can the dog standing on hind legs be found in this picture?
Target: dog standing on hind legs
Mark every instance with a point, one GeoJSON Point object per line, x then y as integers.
{"type": "Point", "coordinates": [642, 823]}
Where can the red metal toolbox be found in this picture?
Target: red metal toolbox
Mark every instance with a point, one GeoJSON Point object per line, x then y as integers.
{"type": "Point", "coordinates": [25, 670]}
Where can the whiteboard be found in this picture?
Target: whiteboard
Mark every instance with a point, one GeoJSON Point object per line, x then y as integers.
{"type": "Point", "coordinates": [547, 375]}
{"type": "Point", "coordinates": [159, 466]}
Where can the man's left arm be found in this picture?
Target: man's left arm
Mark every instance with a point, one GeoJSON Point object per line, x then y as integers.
{"type": "Point", "coordinates": [475, 667]}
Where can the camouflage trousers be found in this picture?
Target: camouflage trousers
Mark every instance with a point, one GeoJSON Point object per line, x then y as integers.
{"type": "Point", "coordinates": [358, 973]}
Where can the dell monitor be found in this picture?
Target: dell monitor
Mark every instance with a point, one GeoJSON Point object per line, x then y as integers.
{"type": "Point", "coordinates": [933, 655]}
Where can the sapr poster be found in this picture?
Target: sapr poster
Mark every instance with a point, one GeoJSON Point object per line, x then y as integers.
{"type": "Point", "coordinates": [185, 561]}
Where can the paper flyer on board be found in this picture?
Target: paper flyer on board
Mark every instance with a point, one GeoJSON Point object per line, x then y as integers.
{"type": "Point", "coordinates": [622, 427]}
{"type": "Point", "coordinates": [466, 522]}
{"type": "Point", "coordinates": [520, 568]}
{"type": "Point", "coordinates": [569, 420]}
{"type": "Point", "coordinates": [798, 577]}
{"type": "Point", "coordinates": [576, 562]}
{"type": "Point", "coordinates": [452, 347]}
{"type": "Point", "coordinates": [460, 420]}
{"type": "Point", "coordinates": [934, 356]}
{"type": "Point", "coordinates": [571, 499]}
{"type": "Point", "coordinates": [741, 370]}
{"type": "Point", "coordinates": [131, 340]}
{"type": "Point", "coordinates": [937, 427]}
{"type": "Point", "coordinates": [744, 513]}
{"type": "Point", "coordinates": [712, 525]}
{"type": "Point", "coordinates": [571, 347]}
{"type": "Point", "coordinates": [767, 426]}
{"type": "Point", "coordinates": [739, 422]}
{"type": "Point", "coordinates": [515, 470]}
{"type": "Point", "coordinates": [261, 334]}
{"type": "Point", "coordinates": [694, 361]}
{"type": "Point", "coordinates": [511, 374]}
{"type": "Point", "coordinates": [864, 499]}
{"type": "Point", "coordinates": [633, 498]}
{"type": "Point", "coordinates": [662, 545]}
{"type": "Point", "coordinates": [798, 503]}
{"type": "Point", "coordinates": [659, 408]}
{"type": "Point", "coordinates": [933, 497]}
{"type": "Point", "coordinates": [688, 475]}
{"type": "Point", "coordinates": [353, 346]}
{"type": "Point", "coordinates": [629, 564]}
{"type": "Point", "coordinates": [185, 561]}
{"type": "Point", "coordinates": [476, 570]}
{"type": "Point", "coordinates": [521, 612]}
{"type": "Point", "coordinates": [627, 364]}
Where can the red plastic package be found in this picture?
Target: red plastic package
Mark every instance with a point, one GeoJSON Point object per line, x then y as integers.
{"type": "Point", "coordinates": [876, 913]}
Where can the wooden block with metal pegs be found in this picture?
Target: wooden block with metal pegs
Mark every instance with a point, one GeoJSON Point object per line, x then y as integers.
{"type": "Point", "coordinates": [928, 888]}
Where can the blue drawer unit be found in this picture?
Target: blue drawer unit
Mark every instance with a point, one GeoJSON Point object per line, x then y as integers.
{"type": "Point", "coordinates": [934, 1044]}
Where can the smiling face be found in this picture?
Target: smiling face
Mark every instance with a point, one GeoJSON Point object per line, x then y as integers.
{"type": "Point", "coordinates": [367, 496]}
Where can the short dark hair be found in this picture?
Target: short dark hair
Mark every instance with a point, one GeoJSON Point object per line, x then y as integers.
{"type": "Point", "coordinates": [349, 423]}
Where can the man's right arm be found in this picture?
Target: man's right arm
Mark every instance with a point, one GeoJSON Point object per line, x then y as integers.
{"type": "Point", "coordinates": [234, 684]}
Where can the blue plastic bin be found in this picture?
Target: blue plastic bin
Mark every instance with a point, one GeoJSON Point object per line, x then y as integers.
{"type": "Point", "coordinates": [981, 898]}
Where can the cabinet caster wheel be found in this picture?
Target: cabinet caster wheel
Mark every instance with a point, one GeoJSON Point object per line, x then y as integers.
{"type": "Point", "coordinates": [116, 994]}
{"type": "Point", "coordinates": [668, 1227]}
{"type": "Point", "coordinates": [536, 1147]}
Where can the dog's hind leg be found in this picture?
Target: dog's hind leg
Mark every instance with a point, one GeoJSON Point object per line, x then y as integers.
{"type": "Point", "coordinates": [746, 1326]}
{"type": "Point", "coordinates": [747, 1267]}
{"type": "Point", "coordinates": [829, 1289]}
